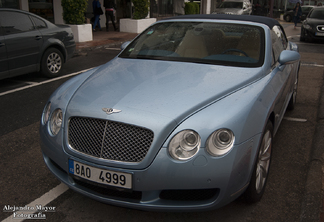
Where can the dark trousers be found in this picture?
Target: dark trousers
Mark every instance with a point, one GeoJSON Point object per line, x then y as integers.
{"type": "Point", "coordinates": [111, 15]}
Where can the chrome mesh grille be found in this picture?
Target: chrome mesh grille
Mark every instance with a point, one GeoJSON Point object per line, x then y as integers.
{"type": "Point", "coordinates": [109, 140]}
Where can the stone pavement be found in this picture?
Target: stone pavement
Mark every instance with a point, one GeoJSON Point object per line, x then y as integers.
{"type": "Point", "coordinates": [103, 38]}
{"type": "Point", "coordinates": [313, 200]}
{"type": "Point", "coordinates": [312, 206]}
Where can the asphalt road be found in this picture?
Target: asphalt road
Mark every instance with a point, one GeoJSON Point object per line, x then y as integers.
{"type": "Point", "coordinates": [24, 176]}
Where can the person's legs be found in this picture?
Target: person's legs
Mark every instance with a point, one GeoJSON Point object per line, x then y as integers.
{"type": "Point", "coordinates": [107, 20]}
{"type": "Point", "coordinates": [111, 14]}
{"type": "Point", "coordinates": [96, 22]}
{"type": "Point", "coordinates": [99, 22]}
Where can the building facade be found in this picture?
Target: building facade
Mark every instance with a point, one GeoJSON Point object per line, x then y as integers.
{"type": "Point", "coordinates": [52, 10]}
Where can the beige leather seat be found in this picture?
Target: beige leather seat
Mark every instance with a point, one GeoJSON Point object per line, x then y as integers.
{"type": "Point", "coordinates": [192, 46]}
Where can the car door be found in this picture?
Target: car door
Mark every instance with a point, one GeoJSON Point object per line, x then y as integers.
{"type": "Point", "coordinates": [23, 42]}
{"type": "Point", "coordinates": [284, 77]}
{"type": "Point", "coordinates": [3, 55]}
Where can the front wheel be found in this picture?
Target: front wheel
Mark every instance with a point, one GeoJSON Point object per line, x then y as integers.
{"type": "Point", "coordinates": [52, 63]}
{"type": "Point", "coordinates": [288, 18]}
{"type": "Point", "coordinates": [260, 172]}
{"type": "Point", "coordinates": [302, 35]}
{"type": "Point", "coordinates": [293, 98]}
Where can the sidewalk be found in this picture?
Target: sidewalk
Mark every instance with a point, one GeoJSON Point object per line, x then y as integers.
{"type": "Point", "coordinates": [312, 209]}
{"type": "Point", "coordinates": [104, 38]}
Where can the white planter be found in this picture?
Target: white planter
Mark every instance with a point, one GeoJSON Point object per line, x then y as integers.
{"type": "Point", "coordinates": [135, 25]}
{"type": "Point", "coordinates": [281, 17]}
{"type": "Point", "coordinates": [82, 33]}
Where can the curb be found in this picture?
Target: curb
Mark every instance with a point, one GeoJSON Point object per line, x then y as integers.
{"type": "Point", "coordinates": [110, 45]}
{"type": "Point", "coordinates": [313, 199]}
{"type": "Point", "coordinates": [83, 50]}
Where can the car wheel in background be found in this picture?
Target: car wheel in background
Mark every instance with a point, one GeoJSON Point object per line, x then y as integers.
{"type": "Point", "coordinates": [260, 173]}
{"type": "Point", "coordinates": [288, 18]}
{"type": "Point", "coordinates": [52, 63]}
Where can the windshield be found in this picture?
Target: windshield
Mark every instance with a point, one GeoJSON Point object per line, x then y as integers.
{"type": "Point", "coordinates": [306, 9]}
{"type": "Point", "coordinates": [317, 14]}
{"type": "Point", "coordinates": [231, 5]}
{"type": "Point", "coordinates": [202, 42]}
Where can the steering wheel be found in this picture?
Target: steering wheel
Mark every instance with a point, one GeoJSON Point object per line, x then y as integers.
{"type": "Point", "coordinates": [235, 50]}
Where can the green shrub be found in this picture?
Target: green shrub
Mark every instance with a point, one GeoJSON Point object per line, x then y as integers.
{"type": "Point", "coordinates": [140, 9]}
{"type": "Point", "coordinates": [73, 11]}
{"type": "Point", "coordinates": [191, 8]}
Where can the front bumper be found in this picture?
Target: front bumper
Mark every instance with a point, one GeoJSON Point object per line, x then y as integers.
{"type": "Point", "coordinates": [201, 183]}
{"type": "Point", "coordinates": [70, 49]}
{"type": "Point", "coordinates": [311, 34]}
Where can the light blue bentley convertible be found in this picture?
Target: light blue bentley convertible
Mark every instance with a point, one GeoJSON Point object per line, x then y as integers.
{"type": "Point", "coordinates": [182, 119]}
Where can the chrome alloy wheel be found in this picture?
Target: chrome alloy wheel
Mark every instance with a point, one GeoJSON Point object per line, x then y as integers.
{"type": "Point", "coordinates": [54, 62]}
{"type": "Point", "coordinates": [262, 168]}
{"type": "Point", "coordinates": [256, 188]}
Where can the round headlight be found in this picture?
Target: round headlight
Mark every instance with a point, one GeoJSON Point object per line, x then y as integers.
{"type": "Point", "coordinates": [220, 142]}
{"type": "Point", "coordinates": [184, 145]}
{"type": "Point", "coordinates": [46, 113]}
{"type": "Point", "coordinates": [56, 121]}
{"type": "Point", "coordinates": [189, 140]}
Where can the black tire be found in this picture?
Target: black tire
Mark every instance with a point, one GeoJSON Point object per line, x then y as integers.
{"type": "Point", "coordinates": [302, 38]}
{"type": "Point", "coordinates": [261, 168]}
{"type": "Point", "coordinates": [302, 35]}
{"type": "Point", "coordinates": [52, 63]}
{"type": "Point", "coordinates": [288, 18]}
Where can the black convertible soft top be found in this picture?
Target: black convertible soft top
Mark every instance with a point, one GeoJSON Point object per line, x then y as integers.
{"type": "Point", "coordinates": [249, 18]}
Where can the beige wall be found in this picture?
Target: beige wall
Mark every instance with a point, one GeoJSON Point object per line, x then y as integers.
{"type": "Point", "coordinates": [58, 12]}
{"type": "Point", "coordinates": [24, 5]}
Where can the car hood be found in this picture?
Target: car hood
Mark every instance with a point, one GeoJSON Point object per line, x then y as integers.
{"type": "Point", "coordinates": [228, 11]}
{"type": "Point", "coordinates": [150, 90]}
{"type": "Point", "coordinates": [314, 21]}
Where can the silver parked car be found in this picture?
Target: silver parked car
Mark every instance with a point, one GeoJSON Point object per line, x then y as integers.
{"type": "Point", "coordinates": [234, 7]}
{"type": "Point", "coordinates": [182, 119]}
{"type": "Point", "coordinates": [29, 43]}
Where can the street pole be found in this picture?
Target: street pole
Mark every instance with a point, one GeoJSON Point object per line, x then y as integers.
{"type": "Point", "coordinates": [271, 9]}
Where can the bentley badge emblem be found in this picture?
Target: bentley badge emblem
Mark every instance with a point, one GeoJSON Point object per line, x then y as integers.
{"type": "Point", "coordinates": [110, 110]}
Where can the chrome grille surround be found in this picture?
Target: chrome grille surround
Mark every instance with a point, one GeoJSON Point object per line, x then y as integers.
{"type": "Point", "coordinates": [108, 139]}
{"type": "Point", "coordinates": [320, 28]}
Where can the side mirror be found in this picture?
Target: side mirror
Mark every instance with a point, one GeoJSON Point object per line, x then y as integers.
{"type": "Point", "coordinates": [288, 57]}
{"type": "Point", "coordinates": [124, 45]}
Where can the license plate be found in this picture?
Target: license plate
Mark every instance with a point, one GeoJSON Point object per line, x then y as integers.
{"type": "Point", "coordinates": [108, 177]}
{"type": "Point", "coordinates": [319, 33]}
